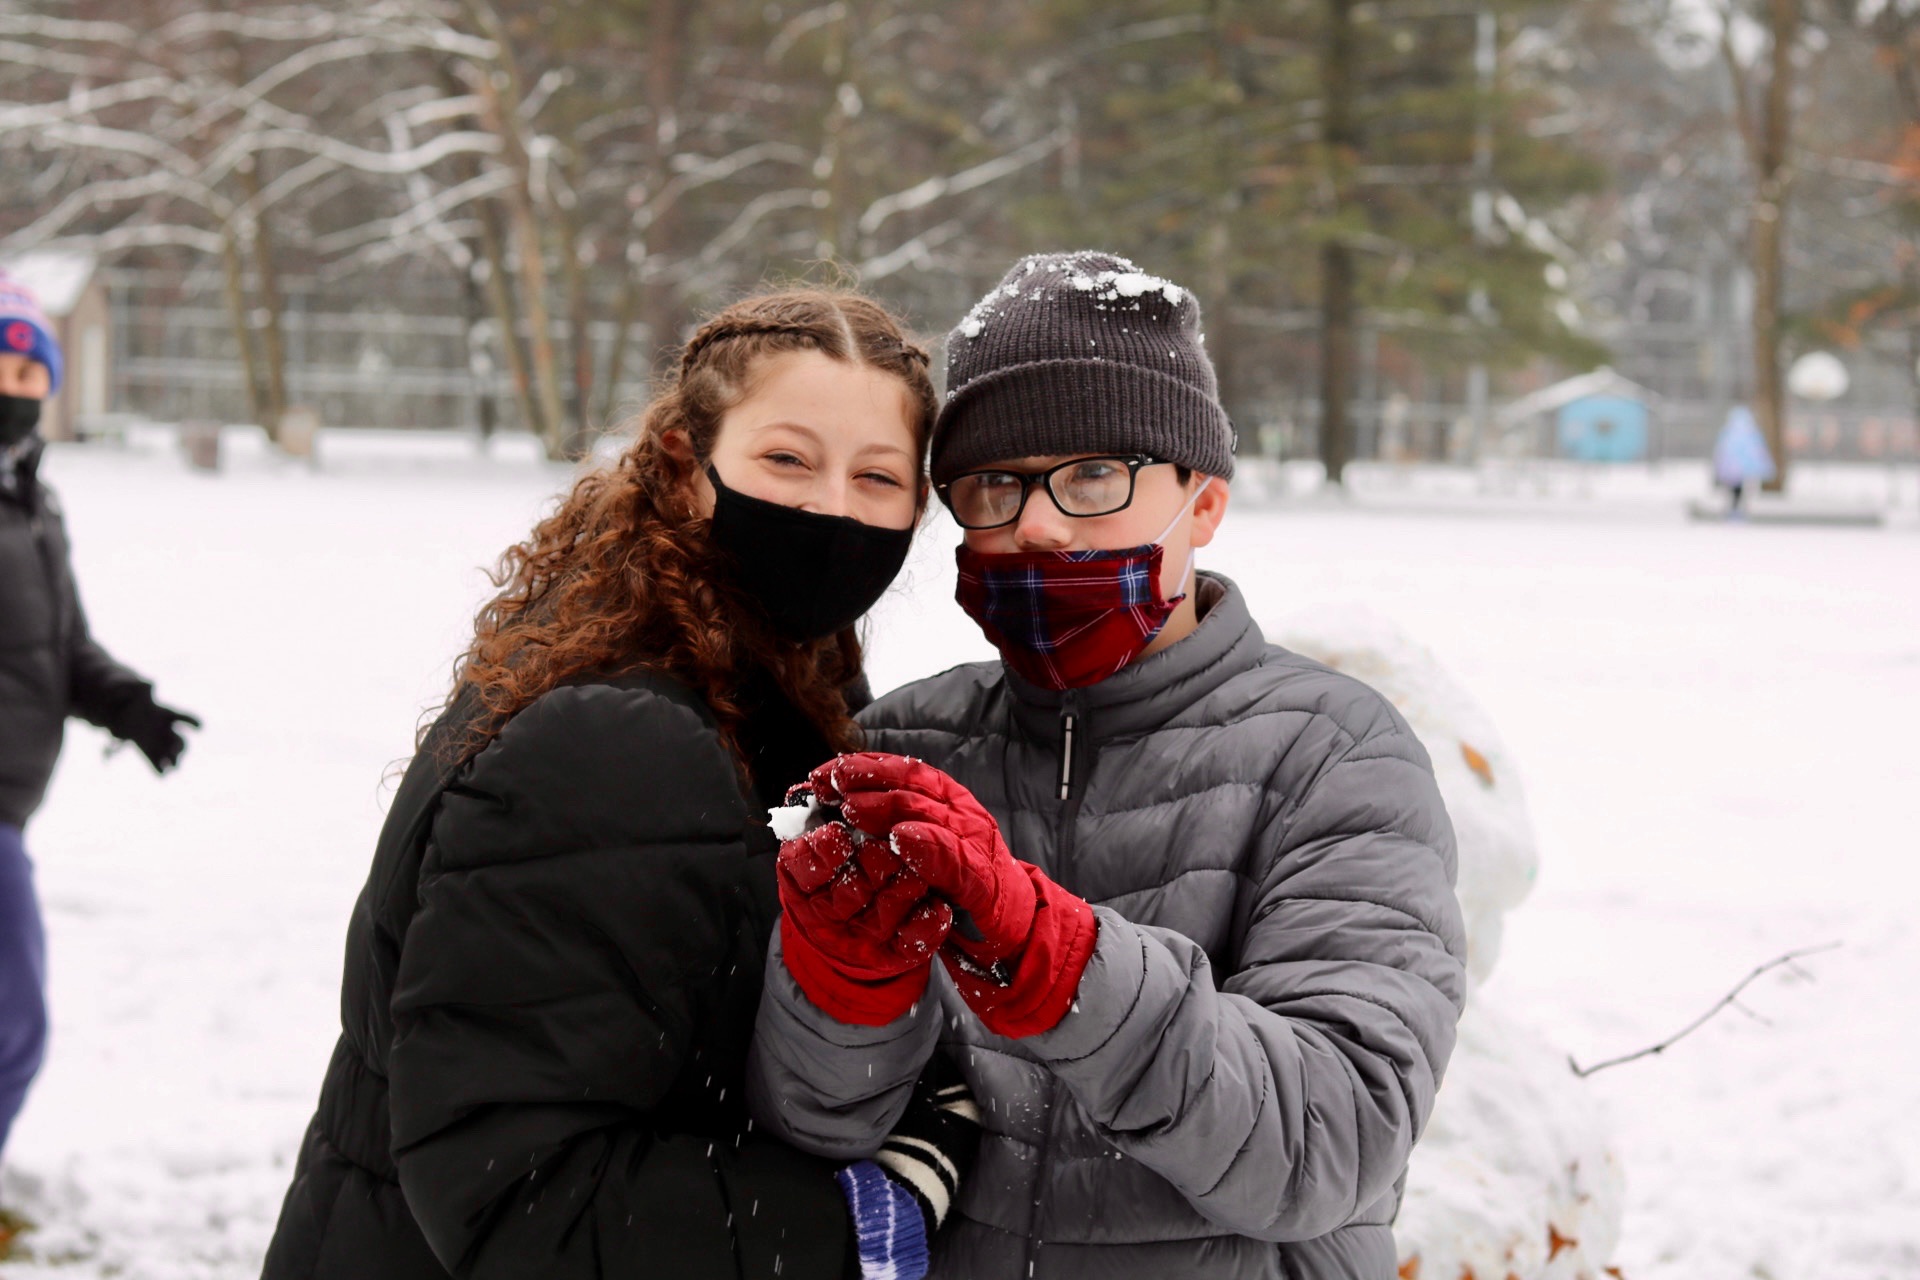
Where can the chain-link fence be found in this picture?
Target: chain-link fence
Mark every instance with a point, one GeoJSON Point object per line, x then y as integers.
{"type": "Point", "coordinates": [414, 352]}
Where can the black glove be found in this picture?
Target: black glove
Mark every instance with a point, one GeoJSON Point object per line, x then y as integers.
{"type": "Point", "coordinates": [155, 730]}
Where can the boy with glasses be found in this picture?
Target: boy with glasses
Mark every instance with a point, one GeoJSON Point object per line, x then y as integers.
{"type": "Point", "coordinates": [1206, 960]}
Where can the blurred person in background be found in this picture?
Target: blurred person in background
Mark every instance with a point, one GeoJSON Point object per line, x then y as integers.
{"type": "Point", "coordinates": [552, 973]}
{"type": "Point", "coordinates": [1740, 458]}
{"type": "Point", "coordinates": [50, 668]}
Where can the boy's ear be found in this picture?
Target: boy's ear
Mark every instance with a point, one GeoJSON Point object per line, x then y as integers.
{"type": "Point", "coordinates": [1208, 511]}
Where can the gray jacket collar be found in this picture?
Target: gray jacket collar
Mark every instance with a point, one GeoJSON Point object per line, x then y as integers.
{"type": "Point", "coordinates": [1156, 689]}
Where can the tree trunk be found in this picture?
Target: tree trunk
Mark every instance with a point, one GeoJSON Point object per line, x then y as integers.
{"type": "Point", "coordinates": [836, 155]}
{"type": "Point", "coordinates": [1336, 359]}
{"type": "Point", "coordinates": [236, 292]}
{"type": "Point", "coordinates": [623, 319]}
{"type": "Point", "coordinates": [533, 296]}
{"type": "Point", "coordinates": [479, 360]}
{"type": "Point", "coordinates": [1339, 143]}
{"type": "Point", "coordinates": [501, 98]}
{"type": "Point", "coordinates": [1767, 232]}
{"type": "Point", "coordinates": [1913, 348]}
{"type": "Point", "coordinates": [656, 304]}
{"type": "Point", "coordinates": [273, 347]}
{"type": "Point", "coordinates": [1217, 242]}
{"type": "Point", "coordinates": [505, 318]}
{"type": "Point", "coordinates": [573, 283]}
{"type": "Point", "coordinates": [497, 283]}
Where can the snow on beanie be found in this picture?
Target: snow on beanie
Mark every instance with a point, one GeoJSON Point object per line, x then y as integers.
{"type": "Point", "coordinates": [1081, 353]}
{"type": "Point", "coordinates": [24, 330]}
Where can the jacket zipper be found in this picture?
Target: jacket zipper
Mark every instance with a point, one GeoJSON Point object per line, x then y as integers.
{"type": "Point", "coordinates": [1068, 721]}
{"type": "Point", "coordinates": [1071, 749]}
{"type": "Point", "coordinates": [1040, 1175]}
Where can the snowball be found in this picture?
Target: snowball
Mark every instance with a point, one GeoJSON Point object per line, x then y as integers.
{"type": "Point", "coordinates": [791, 820]}
{"type": "Point", "coordinates": [1515, 1175]}
{"type": "Point", "coordinates": [1478, 779]}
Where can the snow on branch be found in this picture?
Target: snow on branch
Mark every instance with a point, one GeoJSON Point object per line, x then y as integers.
{"type": "Point", "coordinates": [312, 23]}
{"type": "Point", "coordinates": [698, 171]}
{"type": "Point", "coordinates": [68, 30]}
{"type": "Point", "coordinates": [83, 102]}
{"type": "Point", "coordinates": [96, 137]}
{"type": "Point", "coordinates": [146, 236]}
{"type": "Point", "coordinates": [40, 58]}
{"type": "Point", "coordinates": [925, 193]}
{"type": "Point", "coordinates": [1732, 998]}
{"type": "Point", "coordinates": [751, 214]}
{"type": "Point", "coordinates": [419, 216]}
{"type": "Point", "coordinates": [465, 142]}
{"type": "Point", "coordinates": [800, 27]}
{"type": "Point", "coordinates": [102, 195]}
{"type": "Point", "coordinates": [917, 252]}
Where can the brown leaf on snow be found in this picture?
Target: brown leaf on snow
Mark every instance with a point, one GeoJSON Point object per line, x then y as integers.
{"type": "Point", "coordinates": [1557, 1242]}
{"type": "Point", "coordinates": [1410, 1269]}
{"type": "Point", "coordinates": [1478, 763]}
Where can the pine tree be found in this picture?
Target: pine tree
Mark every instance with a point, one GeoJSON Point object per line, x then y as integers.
{"type": "Point", "coordinates": [1312, 165]}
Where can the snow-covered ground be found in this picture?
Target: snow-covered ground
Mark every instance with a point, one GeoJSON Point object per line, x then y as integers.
{"type": "Point", "coordinates": [1716, 727]}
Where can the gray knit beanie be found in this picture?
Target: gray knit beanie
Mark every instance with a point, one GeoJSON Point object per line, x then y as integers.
{"type": "Point", "coordinates": [1081, 353]}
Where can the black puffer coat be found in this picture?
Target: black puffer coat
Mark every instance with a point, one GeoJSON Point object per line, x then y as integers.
{"type": "Point", "coordinates": [50, 667]}
{"type": "Point", "coordinates": [550, 986]}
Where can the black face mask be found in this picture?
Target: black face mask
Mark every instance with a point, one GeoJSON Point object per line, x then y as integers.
{"type": "Point", "coordinates": [19, 415]}
{"type": "Point", "coordinates": [813, 574]}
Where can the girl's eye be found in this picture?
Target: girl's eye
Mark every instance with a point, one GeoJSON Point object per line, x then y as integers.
{"type": "Point", "coordinates": [786, 460]}
{"type": "Point", "coordinates": [882, 478]}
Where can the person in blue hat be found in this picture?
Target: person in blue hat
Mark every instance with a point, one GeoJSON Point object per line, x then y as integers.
{"type": "Point", "coordinates": [50, 668]}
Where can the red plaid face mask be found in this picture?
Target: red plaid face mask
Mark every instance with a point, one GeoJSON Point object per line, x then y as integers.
{"type": "Point", "coordinates": [1068, 619]}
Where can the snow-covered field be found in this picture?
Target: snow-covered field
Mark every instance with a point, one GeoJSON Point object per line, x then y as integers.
{"type": "Point", "coordinates": [1716, 727]}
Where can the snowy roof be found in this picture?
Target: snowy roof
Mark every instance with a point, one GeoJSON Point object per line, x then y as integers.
{"type": "Point", "coordinates": [56, 276]}
{"type": "Point", "coordinates": [1601, 382]}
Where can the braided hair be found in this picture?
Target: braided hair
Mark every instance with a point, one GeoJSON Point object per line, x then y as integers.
{"type": "Point", "coordinates": [623, 575]}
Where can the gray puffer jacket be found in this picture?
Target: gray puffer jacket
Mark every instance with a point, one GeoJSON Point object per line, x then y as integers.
{"type": "Point", "coordinates": [1257, 1040]}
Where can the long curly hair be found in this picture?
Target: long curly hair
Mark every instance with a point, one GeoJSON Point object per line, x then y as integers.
{"type": "Point", "coordinates": [623, 576]}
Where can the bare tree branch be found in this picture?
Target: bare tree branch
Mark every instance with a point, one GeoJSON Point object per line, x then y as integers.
{"type": "Point", "coordinates": [1731, 998]}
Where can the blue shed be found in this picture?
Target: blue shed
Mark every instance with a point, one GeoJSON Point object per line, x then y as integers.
{"type": "Point", "coordinates": [1604, 428]}
{"type": "Point", "coordinates": [1595, 417]}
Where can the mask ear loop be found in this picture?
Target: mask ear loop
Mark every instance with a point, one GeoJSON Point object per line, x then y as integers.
{"type": "Point", "coordinates": [1178, 516]}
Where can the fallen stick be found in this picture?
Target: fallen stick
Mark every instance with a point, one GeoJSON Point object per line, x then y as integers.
{"type": "Point", "coordinates": [1730, 998]}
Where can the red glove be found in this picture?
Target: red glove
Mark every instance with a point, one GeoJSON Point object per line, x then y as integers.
{"type": "Point", "coordinates": [859, 929]}
{"type": "Point", "coordinates": [1035, 939]}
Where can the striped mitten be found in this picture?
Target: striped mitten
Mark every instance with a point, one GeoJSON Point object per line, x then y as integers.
{"type": "Point", "coordinates": [901, 1197]}
{"type": "Point", "coordinates": [888, 1225]}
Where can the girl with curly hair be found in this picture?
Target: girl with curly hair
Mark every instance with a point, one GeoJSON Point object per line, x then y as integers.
{"type": "Point", "coordinates": [552, 973]}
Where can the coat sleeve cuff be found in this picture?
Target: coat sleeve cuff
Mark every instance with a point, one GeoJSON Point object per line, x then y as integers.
{"type": "Point", "coordinates": [1109, 993]}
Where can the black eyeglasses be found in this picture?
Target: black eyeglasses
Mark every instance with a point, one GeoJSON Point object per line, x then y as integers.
{"type": "Point", "coordinates": [1081, 488]}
